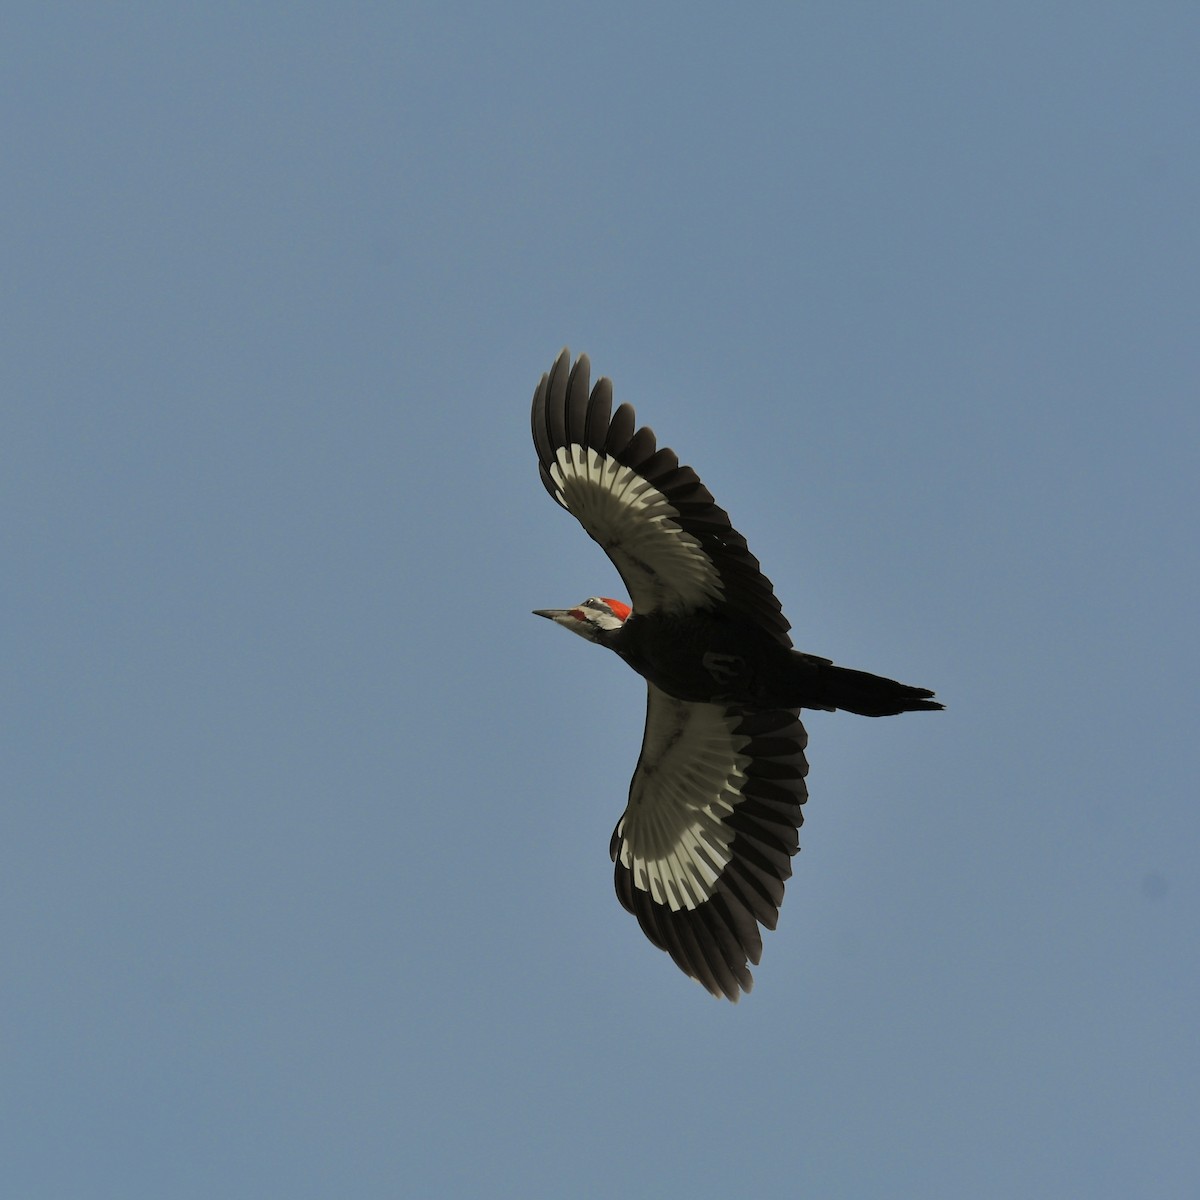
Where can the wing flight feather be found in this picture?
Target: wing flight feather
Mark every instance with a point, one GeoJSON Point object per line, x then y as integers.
{"type": "Point", "coordinates": [705, 844]}
{"type": "Point", "coordinates": [673, 546]}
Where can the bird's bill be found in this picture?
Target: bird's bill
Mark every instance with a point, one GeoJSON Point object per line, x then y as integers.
{"type": "Point", "coordinates": [553, 614]}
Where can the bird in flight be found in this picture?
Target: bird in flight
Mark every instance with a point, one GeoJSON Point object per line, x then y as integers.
{"type": "Point", "coordinates": [705, 844]}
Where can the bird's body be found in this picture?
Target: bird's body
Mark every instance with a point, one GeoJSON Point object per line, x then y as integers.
{"type": "Point", "coordinates": [707, 658]}
{"type": "Point", "coordinates": [703, 658]}
{"type": "Point", "coordinates": [705, 845]}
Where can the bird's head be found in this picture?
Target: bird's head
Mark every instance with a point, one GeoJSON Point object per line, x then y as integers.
{"type": "Point", "coordinates": [598, 618]}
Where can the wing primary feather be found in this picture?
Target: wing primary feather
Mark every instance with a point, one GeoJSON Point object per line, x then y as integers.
{"type": "Point", "coordinates": [620, 430]}
{"type": "Point", "coordinates": [691, 956]}
{"type": "Point", "coordinates": [577, 400]}
{"type": "Point", "coordinates": [640, 449]}
{"type": "Point", "coordinates": [712, 953]}
{"type": "Point", "coordinates": [544, 408]}
{"type": "Point", "coordinates": [549, 484]}
{"type": "Point", "coordinates": [556, 401]}
{"type": "Point", "coordinates": [721, 927]}
{"type": "Point", "coordinates": [599, 411]}
{"type": "Point", "coordinates": [761, 908]}
{"type": "Point", "coordinates": [658, 465]}
{"type": "Point", "coordinates": [740, 923]}
{"type": "Point", "coordinates": [541, 435]}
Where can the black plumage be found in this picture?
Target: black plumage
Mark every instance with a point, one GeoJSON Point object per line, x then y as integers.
{"type": "Point", "coordinates": [705, 844]}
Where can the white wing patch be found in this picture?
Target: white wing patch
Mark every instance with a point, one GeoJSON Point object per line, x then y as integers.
{"type": "Point", "coordinates": [674, 838]}
{"type": "Point", "coordinates": [664, 566]}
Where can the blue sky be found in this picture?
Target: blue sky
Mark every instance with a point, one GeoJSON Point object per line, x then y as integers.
{"type": "Point", "coordinates": [303, 852]}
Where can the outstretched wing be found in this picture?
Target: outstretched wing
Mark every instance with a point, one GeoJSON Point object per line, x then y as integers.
{"type": "Point", "coordinates": [706, 841]}
{"type": "Point", "coordinates": [675, 549]}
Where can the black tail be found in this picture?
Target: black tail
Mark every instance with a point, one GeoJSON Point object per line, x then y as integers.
{"type": "Point", "coordinates": [869, 695]}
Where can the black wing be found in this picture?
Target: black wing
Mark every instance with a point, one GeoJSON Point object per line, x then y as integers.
{"type": "Point", "coordinates": [675, 549]}
{"type": "Point", "coordinates": [706, 842]}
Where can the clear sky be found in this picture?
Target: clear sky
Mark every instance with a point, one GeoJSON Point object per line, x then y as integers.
{"type": "Point", "coordinates": [304, 885]}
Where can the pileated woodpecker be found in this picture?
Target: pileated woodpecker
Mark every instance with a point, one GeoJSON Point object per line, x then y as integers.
{"type": "Point", "coordinates": [706, 841]}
